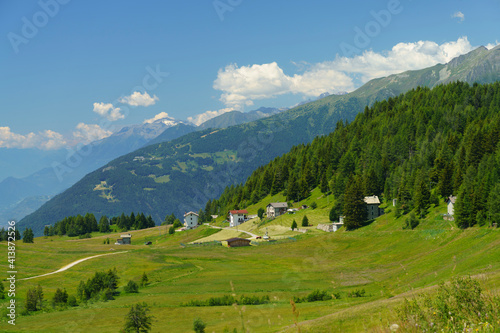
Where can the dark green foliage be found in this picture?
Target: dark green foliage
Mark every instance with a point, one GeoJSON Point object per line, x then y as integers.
{"type": "Point", "coordinates": [305, 221]}
{"type": "Point", "coordinates": [422, 196]}
{"type": "Point", "coordinates": [2, 291]}
{"type": "Point", "coordinates": [28, 235]}
{"type": "Point", "coordinates": [101, 286]}
{"type": "Point", "coordinates": [144, 280]}
{"type": "Point", "coordinates": [294, 225]}
{"type": "Point", "coordinates": [177, 224]}
{"type": "Point", "coordinates": [169, 219]}
{"type": "Point", "coordinates": [411, 222]}
{"type": "Point", "coordinates": [314, 205]}
{"type": "Point", "coordinates": [316, 296]}
{"type": "Point", "coordinates": [171, 230]}
{"type": "Point", "coordinates": [72, 301]}
{"type": "Point", "coordinates": [229, 300]}
{"type": "Point", "coordinates": [46, 231]}
{"type": "Point", "coordinates": [334, 214]}
{"type": "Point", "coordinates": [494, 204]}
{"type": "Point", "coordinates": [131, 287]}
{"type": "Point", "coordinates": [260, 213]}
{"type": "Point", "coordinates": [354, 205]}
{"type": "Point", "coordinates": [199, 326]}
{"type": "Point", "coordinates": [457, 306]}
{"type": "Point", "coordinates": [104, 224]}
{"type": "Point", "coordinates": [357, 293]}
{"type": "Point", "coordinates": [138, 319]}
{"type": "Point", "coordinates": [34, 299]}
{"type": "Point", "coordinates": [83, 225]}
{"type": "Point", "coordinates": [60, 297]}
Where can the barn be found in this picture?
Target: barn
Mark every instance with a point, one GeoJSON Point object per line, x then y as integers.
{"type": "Point", "coordinates": [236, 242]}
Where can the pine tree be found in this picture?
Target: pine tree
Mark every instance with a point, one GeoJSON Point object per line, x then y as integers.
{"type": "Point", "coordinates": [294, 225]}
{"type": "Point", "coordinates": [354, 205]}
{"type": "Point", "coordinates": [305, 221]}
{"type": "Point", "coordinates": [138, 319]}
{"type": "Point", "coordinates": [494, 204]}
{"type": "Point", "coordinates": [421, 196]}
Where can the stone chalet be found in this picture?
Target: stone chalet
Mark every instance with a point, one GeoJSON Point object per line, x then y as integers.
{"type": "Point", "coordinates": [372, 209]}
{"type": "Point", "coordinates": [124, 240]}
{"type": "Point", "coordinates": [191, 220]}
{"type": "Point", "coordinates": [276, 209]}
{"type": "Point", "coordinates": [237, 217]}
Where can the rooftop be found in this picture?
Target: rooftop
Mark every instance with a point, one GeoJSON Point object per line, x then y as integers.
{"type": "Point", "coordinates": [278, 204]}
{"type": "Point", "coordinates": [191, 213]}
{"type": "Point", "coordinates": [373, 200]}
{"type": "Point", "coordinates": [243, 211]}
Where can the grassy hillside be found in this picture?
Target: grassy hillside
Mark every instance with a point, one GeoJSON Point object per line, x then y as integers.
{"type": "Point", "coordinates": [389, 263]}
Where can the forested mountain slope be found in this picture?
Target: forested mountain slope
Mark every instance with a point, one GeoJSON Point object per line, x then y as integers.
{"type": "Point", "coordinates": [443, 141]}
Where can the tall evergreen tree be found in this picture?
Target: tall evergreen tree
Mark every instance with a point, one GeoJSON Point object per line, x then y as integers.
{"type": "Point", "coordinates": [354, 205]}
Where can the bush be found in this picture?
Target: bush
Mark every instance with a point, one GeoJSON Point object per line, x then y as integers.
{"type": "Point", "coordinates": [458, 306]}
{"type": "Point", "coordinates": [357, 293]}
{"type": "Point", "coordinates": [72, 301]}
{"type": "Point", "coordinates": [294, 225]}
{"type": "Point", "coordinates": [177, 224]}
{"type": "Point", "coordinates": [314, 205]}
{"type": "Point", "coordinates": [171, 230]}
{"type": "Point", "coordinates": [411, 222]}
{"type": "Point", "coordinates": [316, 296]}
{"type": "Point", "coordinates": [199, 326]}
{"type": "Point", "coordinates": [131, 287]}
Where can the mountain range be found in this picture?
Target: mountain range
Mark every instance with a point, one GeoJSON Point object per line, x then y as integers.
{"type": "Point", "coordinates": [182, 174]}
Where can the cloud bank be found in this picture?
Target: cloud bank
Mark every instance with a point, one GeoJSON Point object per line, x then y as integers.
{"type": "Point", "coordinates": [241, 86]}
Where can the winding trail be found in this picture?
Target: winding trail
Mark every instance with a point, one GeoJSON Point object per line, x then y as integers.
{"type": "Point", "coordinates": [71, 265]}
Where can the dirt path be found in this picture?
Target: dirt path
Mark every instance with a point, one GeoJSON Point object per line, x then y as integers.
{"type": "Point", "coordinates": [71, 265]}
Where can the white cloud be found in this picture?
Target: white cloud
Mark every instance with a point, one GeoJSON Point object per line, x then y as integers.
{"type": "Point", "coordinates": [108, 111]}
{"type": "Point", "coordinates": [202, 117]}
{"type": "Point", "coordinates": [138, 99]}
{"type": "Point", "coordinates": [86, 133]}
{"type": "Point", "coordinates": [459, 15]}
{"type": "Point", "coordinates": [240, 86]}
{"type": "Point", "coordinates": [45, 140]}
{"type": "Point", "coordinates": [161, 115]}
{"type": "Point", "coordinates": [489, 46]}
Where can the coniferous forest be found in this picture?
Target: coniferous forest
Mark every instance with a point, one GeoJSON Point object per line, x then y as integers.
{"type": "Point", "coordinates": [419, 147]}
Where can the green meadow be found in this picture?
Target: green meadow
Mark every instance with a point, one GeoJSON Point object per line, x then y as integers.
{"type": "Point", "coordinates": [389, 263]}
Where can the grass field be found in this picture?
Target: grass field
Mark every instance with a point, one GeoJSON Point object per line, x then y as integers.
{"type": "Point", "coordinates": [386, 261]}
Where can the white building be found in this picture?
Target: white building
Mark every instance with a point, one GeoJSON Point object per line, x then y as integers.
{"type": "Point", "coordinates": [190, 220]}
{"type": "Point", "coordinates": [237, 217]}
{"type": "Point", "coordinates": [451, 205]}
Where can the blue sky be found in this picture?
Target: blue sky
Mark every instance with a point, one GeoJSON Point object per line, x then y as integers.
{"type": "Point", "coordinates": [86, 69]}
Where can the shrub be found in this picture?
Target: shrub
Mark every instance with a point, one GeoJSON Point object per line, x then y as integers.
{"type": "Point", "coordinates": [314, 205]}
{"type": "Point", "coordinates": [357, 293]}
{"type": "Point", "coordinates": [294, 225]}
{"type": "Point", "coordinates": [411, 222]}
{"type": "Point", "coordinates": [131, 287]}
{"type": "Point", "coordinates": [457, 306]}
{"type": "Point", "coordinates": [199, 326]}
{"type": "Point", "coordinates": [72, 301]}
